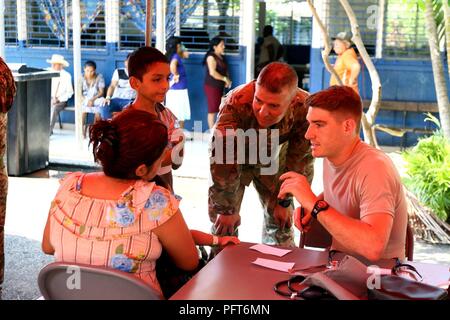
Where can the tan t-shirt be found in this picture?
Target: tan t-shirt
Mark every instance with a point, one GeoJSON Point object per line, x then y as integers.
{"type": "Point", "coordinates": [368, 183]}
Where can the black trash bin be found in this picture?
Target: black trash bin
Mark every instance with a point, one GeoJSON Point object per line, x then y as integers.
{"type": "Point", "coordinates": [29, 121]}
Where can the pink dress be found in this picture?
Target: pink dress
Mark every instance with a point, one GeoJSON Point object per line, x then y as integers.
{"type": "Point", "coordinates": [113, 233]}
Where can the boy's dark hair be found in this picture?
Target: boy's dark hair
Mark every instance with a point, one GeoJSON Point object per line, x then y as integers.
{"type": "Point", "coordinates": [141, 59]}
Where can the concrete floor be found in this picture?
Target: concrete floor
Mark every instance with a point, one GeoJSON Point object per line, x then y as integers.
{"type": "Point", "coordinates": [29, 200]}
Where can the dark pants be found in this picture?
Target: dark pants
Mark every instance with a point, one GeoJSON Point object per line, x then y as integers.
{"type": "Point", "coordinates": [57, 108]}
{"type": "Point", "coordinates": [115, 105]}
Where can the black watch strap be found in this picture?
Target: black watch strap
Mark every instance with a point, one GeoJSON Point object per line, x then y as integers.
{"type": "Point", "coordinates": [319, 206]}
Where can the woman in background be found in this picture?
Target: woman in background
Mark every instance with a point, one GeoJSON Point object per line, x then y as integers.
{"type": "Point", "coordinates": [216, 78]}
{"type": "Point", "coordinates": [177, 98]}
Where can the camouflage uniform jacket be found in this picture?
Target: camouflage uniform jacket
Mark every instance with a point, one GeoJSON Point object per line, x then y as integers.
{"type": "Point", "coordinates": [237, 113]}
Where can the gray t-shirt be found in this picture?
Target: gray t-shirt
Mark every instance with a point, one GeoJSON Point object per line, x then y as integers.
{"type": "Point", "coordinates": [368, 183]}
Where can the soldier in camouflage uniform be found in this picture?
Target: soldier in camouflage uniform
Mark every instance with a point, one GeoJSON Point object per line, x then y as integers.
{"type": "Point", "coordinates": [272, 102]}
{"type": "Point", "coordinates": [7, 92]}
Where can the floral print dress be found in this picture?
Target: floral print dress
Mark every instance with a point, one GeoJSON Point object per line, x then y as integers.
{"type": "Point", "coordinates": [112, 233]}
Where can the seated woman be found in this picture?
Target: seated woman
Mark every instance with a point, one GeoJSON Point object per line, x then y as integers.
{"type": "Point", "coordinates": [93, 90]}
{"type": "Point", "coordinates": [121, 218]}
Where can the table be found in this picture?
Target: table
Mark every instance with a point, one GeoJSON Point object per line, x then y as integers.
{"type": "Point", "coordinates": [231, 275]}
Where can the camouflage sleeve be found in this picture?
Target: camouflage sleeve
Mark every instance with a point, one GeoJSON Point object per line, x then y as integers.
{"type": "Point", "coordinates": [299, 158]}
{"type": "Point", "coordinates": [225, 176]}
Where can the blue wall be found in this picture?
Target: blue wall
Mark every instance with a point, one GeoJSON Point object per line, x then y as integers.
{"type": "Point", "coordinates": [402, 80]}
{"type": "Point", "coordinates": [109, 59]}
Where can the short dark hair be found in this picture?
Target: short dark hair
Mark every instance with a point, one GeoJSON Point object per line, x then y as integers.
{"type": "Point", "coordinates": [276, 76]}
{"type": "Point", "coordinates": [141, 60]}
{"type": "Point", "coordinates": [90, 63]}
{"type": "Point", "coordinates": [342, 100]}
{"type": "Point", "coordinates": [131, 138]}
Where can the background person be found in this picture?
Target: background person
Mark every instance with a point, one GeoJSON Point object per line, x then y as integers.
{"type": "Point", "coordinates": [217, 77]}
{"type": "Point", "coordinates": [119, 93]}
{"type": "Point", "coordinates": [149, 76]}
{"type": "Point", "coordinates": [62, 89]}
{"type": "Point", "coordinates": [363, 205]}
{"type": "Point", "coordinates": [177, 98]}
{"type": "Point", "coordinates": [270, 49]}
{"type": "Point", "coordinates": [275, 103]}
{"type": "Point", "coordinates": [93, 89]}
{"type": "Point", "coordinates": [346, 65]}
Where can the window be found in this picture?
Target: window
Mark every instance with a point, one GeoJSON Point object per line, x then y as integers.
{"type": "Point", "coordinates": [201, 20]}
{"type": "Point", "coordinates": [338, 21]}
{"type": "Point", "coordinates": [291, 22]}
{"type": "Point", "coordinates": [10, 22]}
{"type": "Point", "coordinates": [39, 20]}
{"type": "Point", "coordinates": [404, 31]}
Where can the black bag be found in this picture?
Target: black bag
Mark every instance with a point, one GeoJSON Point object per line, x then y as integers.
{"type": "Point", "coordinates": [399, 288]}
{"type": "Point", "coordinates": [170, 277]}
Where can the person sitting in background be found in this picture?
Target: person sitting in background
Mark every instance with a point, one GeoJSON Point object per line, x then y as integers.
{"type": "Point", "coordinates": [93, 90]}
{"type": "Point", "coordinates": [123, 217]}
{"type": "Point", "coordinates": [346, 66]}
{"type": "Point", "coordinates": [177, 98]}
{"type": "Point", "coordinates": [119, 93]}
{"type": "Point", "coordinates": [62, 89]}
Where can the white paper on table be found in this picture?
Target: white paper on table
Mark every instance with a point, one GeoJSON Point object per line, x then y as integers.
{"type": "Point", "coordinates": [270, 250]}
{"type": "Point", "coordinates": [276, 265]}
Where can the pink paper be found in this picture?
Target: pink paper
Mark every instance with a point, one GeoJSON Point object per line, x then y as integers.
{"type": "Point", "coordinates": [270, 250]}
{"type": "Point", "coordinates": [276, 265]}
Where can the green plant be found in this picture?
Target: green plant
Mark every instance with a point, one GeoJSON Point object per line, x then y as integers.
{"type": "Point", "coordinates": [428, 170]}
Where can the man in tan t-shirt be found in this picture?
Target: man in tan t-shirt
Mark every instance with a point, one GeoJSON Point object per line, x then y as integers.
{"type": "Point", "coordinates": [362, 206]}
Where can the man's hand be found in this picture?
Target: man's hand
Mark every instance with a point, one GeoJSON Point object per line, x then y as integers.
{"type": "Point", "coordinates": [297, 185]}
{"type": "Point", "coordinates": [107, 102]}
{"type": "Point", "coordinates": [283, 216]}
{"type": "Point", "coordinates": [225, 224]}
{"type": "Point", "coordinates": [90, 103]}
{"type": "Point", "coordinates": [303, 223]}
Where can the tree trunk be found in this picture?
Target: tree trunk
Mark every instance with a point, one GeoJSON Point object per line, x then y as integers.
{"type": "Point", "coordinates": [447, 33]}
{"type": "Point", "coordinates": [438, 69]}
{"type": "Point", "coordinates": [3, 191]}
{"type": "Point", "coordinates": [326, 40]}
{"type": "Point", "coordinates": [368, 119]}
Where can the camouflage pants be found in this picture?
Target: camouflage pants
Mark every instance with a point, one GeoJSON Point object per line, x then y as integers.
{"type": "Point", "coordinates": [267, 187]}
{"type": "Point", "coordinates": [3, 190]}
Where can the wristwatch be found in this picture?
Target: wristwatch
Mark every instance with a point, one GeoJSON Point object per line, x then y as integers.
{"type": "Point", "coordinates": [320, 205]}
{"type": "Point", "coordinates": [285, 203]}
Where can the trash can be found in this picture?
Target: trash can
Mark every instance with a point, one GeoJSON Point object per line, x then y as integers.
{"type": "Point", "coordinates": [29, 121]}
